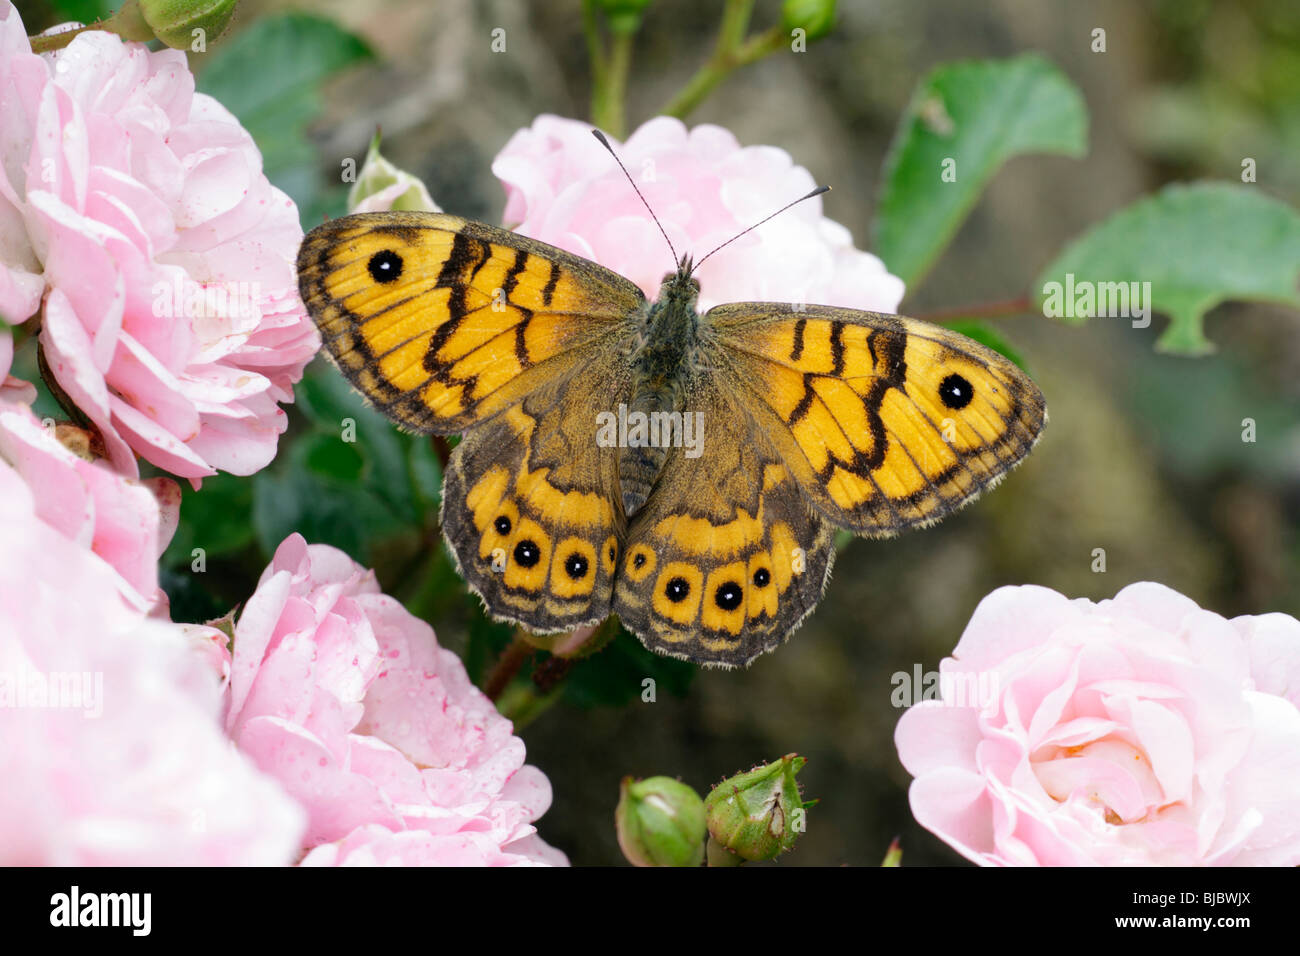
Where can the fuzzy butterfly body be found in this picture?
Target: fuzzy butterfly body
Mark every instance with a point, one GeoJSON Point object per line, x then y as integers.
{"type": "Point", "coordinates": [810, 418]}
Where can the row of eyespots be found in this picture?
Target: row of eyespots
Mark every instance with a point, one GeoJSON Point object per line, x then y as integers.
{"type": "Point", "coordinates": [724, 599]}
{"type": "Point", "coordinates": [526, 567]}
{"type": "Point", "coordinates": [728, 595]}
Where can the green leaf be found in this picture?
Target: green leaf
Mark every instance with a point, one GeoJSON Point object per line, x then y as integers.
{"type": "Point", "coordinates": [349, 478]}
{"type": "Point", "coordinates": [400, 468]}
{"type": "Point", "coordinates": [1198, 245]}
{"type": "Point", "coordinates": [188, 598]}
{"type": "Point", "coordinates": [989, 337]}
{"type": "Point", "coordinates": [269, 76]}
{"type": "Point", "coordinates": [322, 510]}
{"type": "Point", "coordinates": [328, 457]}
{"type": "Point", "coordinates": [978, 114]}
{"type": "Point", "coordinates": [217, 518]}
{"type": "Point", "coordinates": [613, 677]}
{"type": "Point", "coordinates": [1197, 416]}
{"type": "Point", "coordinates": [83, 11]}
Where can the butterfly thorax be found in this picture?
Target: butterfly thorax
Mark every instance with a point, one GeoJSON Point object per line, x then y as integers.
{"type": "Point", "coordinates": [660, 366]}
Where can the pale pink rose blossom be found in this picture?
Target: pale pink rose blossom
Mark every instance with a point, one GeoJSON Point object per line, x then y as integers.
{"type": "Point", "coordinates": [125, 521]}
{"type": "Point", "coordinates": [165, 258]}
{"type": "Point", "coordinates": [113, 750]}
{"type": "Point", "coordinates": [562, 187]}
{"type": "Point", "coordinates": [347, 699]}
{"type": "Point", "coordinates": [1140, 730]}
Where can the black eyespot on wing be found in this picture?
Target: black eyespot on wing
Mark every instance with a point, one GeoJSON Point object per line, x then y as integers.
{"type": "Point", "coordinates": [762, 577]}
{"type": "Point", "coordinates": [502, 524]}
{"type": "Point", "coordinates": [527, 553]}
{"type": "Point", "coordinates": [638, 561]}
{"type": "Point", "coordinates": [677, 589]}
{"type": "Point", "coordinates": [956, 392]}
{"type": "Point", "coordinates": [385, 266]}
{"type": "Point", "coordinates": [575, 566]}
{"type": "Point", "coordinates": [729, 595]}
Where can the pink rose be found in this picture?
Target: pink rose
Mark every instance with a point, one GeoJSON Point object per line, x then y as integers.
{"type": "Point", "coordinates": [138, 211]}
{"type": "Point", "coordinates": [126, 522]}
{"type": "Point", "coordinates": [563, 187]}
{"type": "Point", "coordinates": [347, 699]}
{"type": "Point", "coordinates": [113, 752]}
{"type": "Point", "coordinates": [1138, 731]}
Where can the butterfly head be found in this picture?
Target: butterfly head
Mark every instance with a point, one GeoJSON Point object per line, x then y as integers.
{"type": "Point", "coordinates": [681, 286]}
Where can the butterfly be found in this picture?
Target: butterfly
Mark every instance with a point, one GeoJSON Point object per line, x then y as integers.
{"type": "Point", "coordinates": [685, 472]}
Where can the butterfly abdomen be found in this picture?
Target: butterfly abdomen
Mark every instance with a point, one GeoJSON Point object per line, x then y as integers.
{"type": "Point", "coordinates": [658, 391]}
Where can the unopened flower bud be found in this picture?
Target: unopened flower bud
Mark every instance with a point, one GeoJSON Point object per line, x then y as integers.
{"type": "Point", "coordinates": [660, 822]}
{"type": "Point", "coordinates": [188, 24]}
{"type": "Point", "coordinates": [894, 855]}
{"type": "Point", "coordinates": [758, 814]}
{"type": "Point", "coordinates": [381, 186]}
{"type": "Point", "coordinates": [814, 17]}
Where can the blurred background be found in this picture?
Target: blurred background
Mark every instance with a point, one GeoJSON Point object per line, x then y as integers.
{"type": "Point", "coordinates": [1143, 456]}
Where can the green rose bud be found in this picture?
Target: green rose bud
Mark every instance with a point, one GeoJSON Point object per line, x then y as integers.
{"type": "Point", "coordinates": [814, 17]}
{"type": "Point", "coordinates": [894, 855]}
{"type": "Point", "coordinates": [378, 174]}
{"type": "Point", "coordinates": [624, 16]}
{"type": "Point", "coordinates": [188, 24]}
{"type": "Point", "coordinates": [759, 814]}
{"type": "Point", "coordinates": [660, 822]}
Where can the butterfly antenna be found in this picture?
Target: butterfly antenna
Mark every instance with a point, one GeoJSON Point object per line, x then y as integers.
{"type": "Point", "coordinates": [816, 192]}
{"type": "Point", "coordinates": [604, 142]}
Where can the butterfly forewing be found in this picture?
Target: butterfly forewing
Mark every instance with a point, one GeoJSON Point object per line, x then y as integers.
{"type": "Point", "coordinates": [443, 322]}
{"type": "Point", "coordinates": [886, 422]}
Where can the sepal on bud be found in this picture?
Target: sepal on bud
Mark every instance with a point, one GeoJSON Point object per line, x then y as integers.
{"type": "Point", "coordinates": [758, 814]}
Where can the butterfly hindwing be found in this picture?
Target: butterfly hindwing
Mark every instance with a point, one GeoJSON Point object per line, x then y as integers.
{"type": "Point", "coordinates": [531, 507]}
{"type": "Point", "coordinates": [885, 422]}
{"type": "Point", "coordinates": [443, 322]}
{"type": "Point", "coordinates": [726, 557]}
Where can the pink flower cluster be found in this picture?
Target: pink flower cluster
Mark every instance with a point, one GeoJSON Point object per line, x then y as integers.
{"type": "Point", "coordinates": [113, 752]}
{"type": "Point", "coordinates": [134, 213]}
{"type": "Point", "coordinates": [136, 221]}
{"type": "Point", "coordinates": [563, 187]}
{"type": "Point", "coordinates": [343, 696]}
{"type": "Point", "coordinates": [1141, 730]}
{"type": "Point", "coordinates": [126, 522]}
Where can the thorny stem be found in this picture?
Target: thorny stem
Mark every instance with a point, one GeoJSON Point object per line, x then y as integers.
{"type": "Point", "coordinates": [48, 43]}
{"type": "Point", "coordinates": [127, 22]}
{"type": "Point", "coordinates": [507, 667]}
